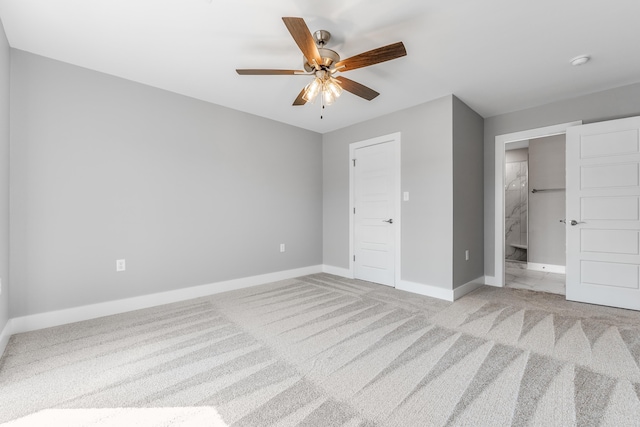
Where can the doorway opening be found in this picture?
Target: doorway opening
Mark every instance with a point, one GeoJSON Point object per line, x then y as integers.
{"type": "Point", "coordinates": [534, 210]}
{"type": "Point", "coordinates": [500, 240]}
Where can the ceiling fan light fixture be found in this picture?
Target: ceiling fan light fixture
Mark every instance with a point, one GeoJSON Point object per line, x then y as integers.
{"type": "Point", "coordinates": [331, 90]}
{"type": "Point", "coordinates": [312, 90]}
{"type": "Point", "coordinates": [323, 83]}
{"type": "Point", "coordinates": [328, 97]}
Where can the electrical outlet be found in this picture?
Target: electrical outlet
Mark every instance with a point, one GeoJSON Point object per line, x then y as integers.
{"type": "Point", "coordinates": [405, 196]}
{"type": "Point", "coordinates": [281, 247]}
{"type": "Point", "coordinates": [466, 255]}
{"type": "Point", "coordinates": [120, 265]}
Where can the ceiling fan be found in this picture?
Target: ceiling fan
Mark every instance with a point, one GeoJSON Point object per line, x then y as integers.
{"type": "Point", "coordinates": [323, 63]}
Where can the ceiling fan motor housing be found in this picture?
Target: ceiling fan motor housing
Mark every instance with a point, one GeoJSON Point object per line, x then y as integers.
{"type": "Point", "coordinates": [322, 37]}
{"type": "Point", "coordinates": [329, 57]}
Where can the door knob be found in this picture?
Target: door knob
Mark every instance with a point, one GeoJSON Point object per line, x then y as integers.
{"type": "Point", "coordinates": [573, 222]}
{"type": "Point", "coordinates": [390, 220]}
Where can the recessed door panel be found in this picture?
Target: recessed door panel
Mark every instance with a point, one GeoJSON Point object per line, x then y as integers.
{"type": "Point", "coordinates": [609, 208]}
{"type": "Point", "coordinates": [610, 274]}
{"type": "Point", "coordinates": [375, 209]}
{"type": "Point", "coordinates": [375, 235]}
{"type": "Point", "coordinates": [609, 144]}
{"type": "Point", "coordinates": [609, 176]}
{"type": "Point", "coordinates": [375, 260]}
{"type": "Point", "coordinates": [609, 241]}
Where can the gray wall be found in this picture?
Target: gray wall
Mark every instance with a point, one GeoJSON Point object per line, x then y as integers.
{"type": "Point", "coordinates": [517, 155]}
{"type": "Point", "coordinates": [606, 105]}
{"type": "Point", "coordinates": [547, 170]}
{"type": "Point", "coordinates": [468, 194]}
{"type": "Point", "coordinates": [428, 175]}
{"type": "Point", "coordinates": [4, 177]}
{"type": "Point", "coordinates": [189, 193]}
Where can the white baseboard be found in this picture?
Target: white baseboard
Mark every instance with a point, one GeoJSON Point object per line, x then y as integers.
{"type": "Point", "coordinates": [86, 312]}
{"type": "Point", "coordinates": [549, 268]}
{"type": "Point", "coordinates": [6, 333]}
{"type": "Point", "coordinates": [471, 286]}
{"type": "Point", "coordinates": [441, 293]}
{"type": "Point", "coordinates": [337, 271]}
{"type": "Point", "coordinates": [426, 290]}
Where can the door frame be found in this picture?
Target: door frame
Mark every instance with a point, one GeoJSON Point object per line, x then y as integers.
{"type": "Point", "coordinates": [395, 140]}
{"type": "Point", "coordinates": [499, 173]}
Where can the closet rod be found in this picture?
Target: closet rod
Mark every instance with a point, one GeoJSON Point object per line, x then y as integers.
{"type": "Point", "coordinates": [547, 189]}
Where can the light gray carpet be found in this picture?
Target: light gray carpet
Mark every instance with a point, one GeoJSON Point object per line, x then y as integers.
{"type": "Point", "coordinates": [325, 351]}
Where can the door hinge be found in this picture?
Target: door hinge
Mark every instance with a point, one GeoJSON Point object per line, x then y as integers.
{"type": "Point", "coordinates": [354, 162]}
{"type": "Point", "coordinates": [354, 211]}
{"type": "Point", "coordinates": [354, 258]}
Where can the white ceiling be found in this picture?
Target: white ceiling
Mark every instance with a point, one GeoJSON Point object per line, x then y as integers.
{"type": "Point", "coordinates": [496, 55]}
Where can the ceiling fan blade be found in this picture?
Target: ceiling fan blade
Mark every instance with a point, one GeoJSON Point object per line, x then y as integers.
{"type": "Point", "coordinates": [265, 72]}
{"type": "Point", "coordinates": [357, 89]}
{"type": "Point", "coordinates": [303, 38]}
{"type": "Point", "coordinates": [375, 56]}
{"type": "Point", "coordinates": [299, 100]}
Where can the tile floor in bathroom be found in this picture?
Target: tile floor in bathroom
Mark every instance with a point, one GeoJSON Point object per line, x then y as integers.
{"type": "Point", "coordinates": [517, 276]}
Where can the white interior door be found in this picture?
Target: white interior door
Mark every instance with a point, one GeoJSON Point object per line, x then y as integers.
{"type": "Point", "coordinates": [603, 215]}
{"type": "Point", "coordinates": [374, 222]}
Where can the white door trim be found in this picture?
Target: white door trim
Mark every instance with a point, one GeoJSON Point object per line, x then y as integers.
{"type": "Point", "coordinates": [501, 140]}
{"type": "Point", "coordinates": [393, 138]}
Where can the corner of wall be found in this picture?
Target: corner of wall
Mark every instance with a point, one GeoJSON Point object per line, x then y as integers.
{"type": "Point", "coordinates": [468, 193]}
{"type": "Point", "coordinates": [5, 65]}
